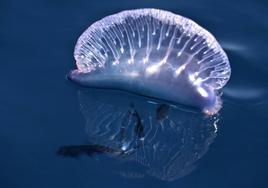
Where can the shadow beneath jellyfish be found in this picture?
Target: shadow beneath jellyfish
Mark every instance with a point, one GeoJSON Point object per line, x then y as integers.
{"type": "Point", "coordinates": [163, 140]}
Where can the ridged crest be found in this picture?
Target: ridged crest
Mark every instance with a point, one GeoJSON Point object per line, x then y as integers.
{"type": "Point", "coordinates": [145, 40]}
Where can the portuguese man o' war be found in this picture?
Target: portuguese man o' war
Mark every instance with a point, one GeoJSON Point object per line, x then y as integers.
{"type": "Point", "coordinates": [153, 53]}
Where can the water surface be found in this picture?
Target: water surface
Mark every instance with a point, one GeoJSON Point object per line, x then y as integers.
{"type": "Point", "coordinates": [41, 110]}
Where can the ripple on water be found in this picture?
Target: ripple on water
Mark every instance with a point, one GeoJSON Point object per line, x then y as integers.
{"type": "Point", "coordinates": [245, 94]}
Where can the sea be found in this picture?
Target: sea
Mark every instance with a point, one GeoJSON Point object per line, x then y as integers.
{"type": "Point", "coordinates": [56, 134]}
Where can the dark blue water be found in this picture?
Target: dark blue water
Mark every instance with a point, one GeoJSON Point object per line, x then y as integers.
{"type": "Point", "coordinates": [41, 111]}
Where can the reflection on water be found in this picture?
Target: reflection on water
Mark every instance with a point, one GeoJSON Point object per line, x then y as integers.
{"type": "Point", "coordinates": [165, 141]}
